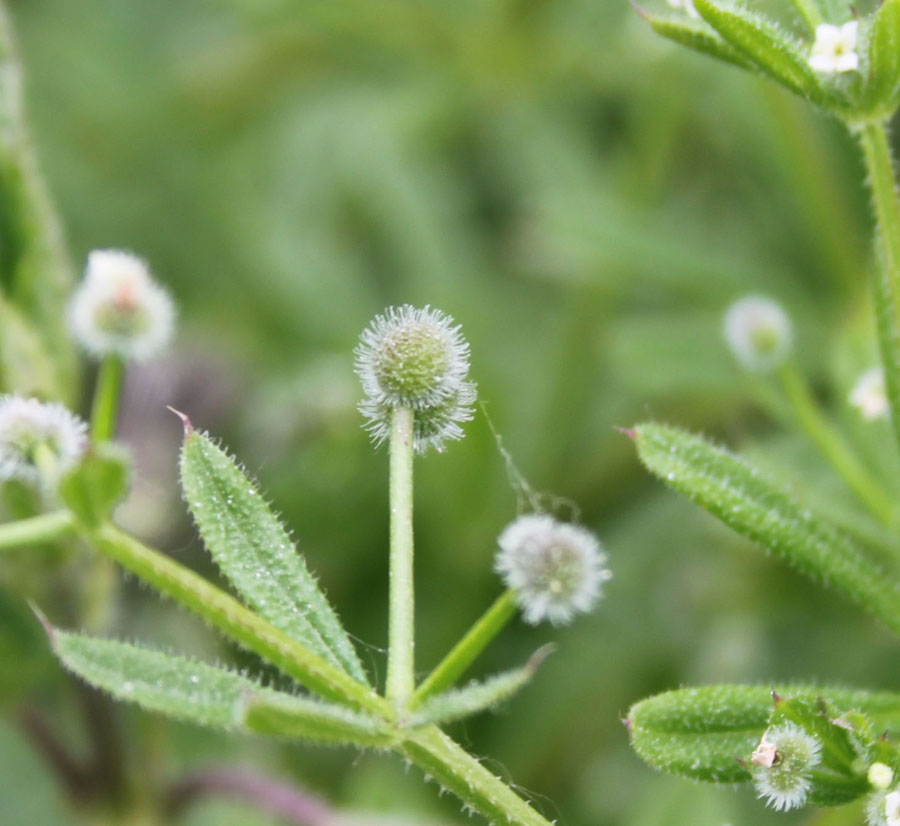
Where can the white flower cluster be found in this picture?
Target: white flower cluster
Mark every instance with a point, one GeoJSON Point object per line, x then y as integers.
{"type": "Point", "coordinates": [28, 426]}
{"type": "Point", "coordinates": [415, 357]}
{"type": "Point", "coordinates": [119, 309]}
{"type": "Point", "coordinates": [555, 569]}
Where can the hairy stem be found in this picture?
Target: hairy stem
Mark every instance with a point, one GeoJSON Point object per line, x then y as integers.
{"type": "Point", "coordinates": [401, 635]}
{"type": "Point", "coordinates": [231, 618]}
{"type": "Point", "coordinates": [106, 399]}
{"type": "Point", "coordinates": [833, 446]}
{"type": "Point", "coordinates": [880, 168]}
{"type": "Point", "coordinates": [37, 529]}
{"type": "Point", "coordinates": [464, 653]}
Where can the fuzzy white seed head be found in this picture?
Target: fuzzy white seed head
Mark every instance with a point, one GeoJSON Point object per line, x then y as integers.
{"type": "Point", "coordinates": [27, 425]}
{"type": "Point", "coordinates": [415, 358]}
{"type": "Point", "coordinates": [784, 780]}
{"type": "Point", "coordinates": [119, 309]}
{"type": "Point", "coordinates": [834, 50]}
{"type": "Point", "coordinates": [759, 333]}
{"type": "Point", "coordinates": [555, 569]}
{"type": "Point", "coordinates": [880, 775]}
{"type": "Point", "coordinates": [869, 395]}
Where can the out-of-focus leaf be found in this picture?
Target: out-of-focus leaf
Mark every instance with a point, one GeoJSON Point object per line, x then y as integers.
{"type": "Point", "coordinates": [93, 488]}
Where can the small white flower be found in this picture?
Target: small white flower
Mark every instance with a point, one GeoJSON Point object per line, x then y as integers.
{"type": "Point", "coordinates": [555, 569]}
{"type": "Point", "coordinates": [28, 424]}
{"type": "Point", "coordinates": [892, 808]}
{"type": "Point", "coordinates": [869, 395]}
{"type": "Point", "coordinates": [834, 49]}
{"type": "Point", "coordinates": [759, 333]}
{"type": "Point", "coordinates": [119, 309]}
{"type": "Point", "coordinates": [686, 6]}
{"type": "Point", "coordinates": [784, 781]}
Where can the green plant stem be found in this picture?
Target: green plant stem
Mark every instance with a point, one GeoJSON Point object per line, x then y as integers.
{"type": "Point", "coordinates": [456, 770]}
{"type": "Point", "coordinates": [882, 183]}
{"type": "Point", "coordinates": [832, 445]}
{"type": "Point", "coordinates": [809, 12]}
{"type": "Point", "coordinates": [464, 653]}
{"type": "Point", "coordinates": [37, 529]}
{"type": "Point", "coordinates": [106, 399]}
{"type": "Point", "coordinates": [231, 618]}
{"type": "Point", "coordinates": [401, 638]}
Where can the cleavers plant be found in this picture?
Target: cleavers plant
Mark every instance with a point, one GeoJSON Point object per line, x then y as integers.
{"type": "Point", "coordinates": [798, 744]}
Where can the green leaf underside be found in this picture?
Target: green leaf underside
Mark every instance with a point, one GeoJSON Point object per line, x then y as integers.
{"type": "Point", "coordinates": [884, 55]}
{"type": "Point", "coordinates": [701, 732]}
{"type": "Point", "coordinates": [774, 52]}
{"type": "Point", "coordinates": [199, 693]}
{"type": "Point", "coordinates": [475, 697]}
{"type": "Point", "coordinates": [699, 37]}
{"type": "Point", "coordinates": [257, 555]}
{"type": "Point", "coordinates": [736, 494]}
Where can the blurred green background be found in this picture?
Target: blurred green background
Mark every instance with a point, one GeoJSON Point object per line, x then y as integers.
{"type": "Point", "coordinates": [586, 200]}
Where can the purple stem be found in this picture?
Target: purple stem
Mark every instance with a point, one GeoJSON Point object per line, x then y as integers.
{"type": "Point", "coordinates": [277, 798]}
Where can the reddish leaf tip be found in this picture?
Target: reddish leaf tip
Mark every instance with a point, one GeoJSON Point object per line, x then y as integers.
{"type": "Point", "coordinates": [49, 630]}
{"type": "Point", "coordinates": [188, 427]}
{"type": "Point", "coordinates": [630, 432]}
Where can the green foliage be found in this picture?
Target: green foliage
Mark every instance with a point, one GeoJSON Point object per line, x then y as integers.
{"type": "Point", "coordinates": [882, 91]}
{"type": "Point", "coordinates": [708, 733]}
{"type": "Point", "coordinates": [92, 489]}
{"type": "Point", "coordinates": [738, 495]}
{"type": "Point", "coordinates": [698, 36]}
{"type": "Point", "coordinates": [256, 553]}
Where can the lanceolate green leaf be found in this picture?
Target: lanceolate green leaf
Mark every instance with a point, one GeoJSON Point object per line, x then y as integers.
{"type": "Point", "coordinates": [699, 37]}
{"type": "Point", "coordinates": [284, 715]}
{"type": "Point", "coordinates": [256, 553]}
{"type": "Point", "coordinates": [175, 686]}
{"type": "Point", "coordinates": [475, 697]}
{"type": "Point", "coordinates": [702, 732]}
{"type": "Point", "coordinates": [199, 693]}
{"type": "Point", "coordinates": [736, 493]}
{"type": "Point", "coordinates": [775, 52]}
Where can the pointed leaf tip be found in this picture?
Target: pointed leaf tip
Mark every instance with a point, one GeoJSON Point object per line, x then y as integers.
{"type": "Point", "coordinates": [630, 432]}
{"type": "Point", "coordinates": [537, 659]}
{"type": "Point", "coordinates": [188, 427]}
{"type": "Point", "coordinates": [49, 630]}
{"type": "Point", "coordinates": [639, 9]}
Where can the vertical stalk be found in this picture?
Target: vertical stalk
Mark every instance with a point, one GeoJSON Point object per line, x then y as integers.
{"type": "Point", "coordinates": [401, 640]}
{"type": "Point", "coordinates": [833, 446]}
{"type": "Point", "coordinates": [106, 399]}
{"type": "Point", "coordinates": [882, 183]}
{"type": "Point", "coordinates": [809, 12]}
{"type": "Point", "coordinates": [463, 654]}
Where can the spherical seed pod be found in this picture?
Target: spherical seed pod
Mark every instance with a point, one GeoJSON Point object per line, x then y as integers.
{"type": "Point", "coordinates": [28, 425]}
{"type": "Point", "coordinates": [415, 358]}
{"type": "Point", "coordinates": [119, 309]}
{"type": "Point", "coordinates": [412, 357]}
{"type": "Point", "coordinates": [782, 764]}
{"type": "Point", "coordinates": [555, 569]}
{"type": "Point", "coordinates": [759, 333]}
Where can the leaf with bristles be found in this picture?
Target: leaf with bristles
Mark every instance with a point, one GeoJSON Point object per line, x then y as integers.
{"type": "Point", "coordinates": [738, 495]}
{"type": "Point", "coordinates": [697, 35]}
{"type": "Point", "coordinates": [255, 552]}
{"type": "Point", "coordinates": [477, 696]}
{"type": "Point", "coordinates": [883, 82]}
{"type": "Point", "coordinates": [204, 694]}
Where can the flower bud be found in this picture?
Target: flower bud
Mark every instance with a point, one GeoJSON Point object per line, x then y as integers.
{"type": "Point", "coordinates": [415, 358]}
{"type": "Point", "coordinates": [555, 569]}
{"type": "Point", "coordinates": [759, 333]}
{"type": "Point", "coordinates": [880, 775]}
{"type": "Point", "coordinates": [28, 426]}
{"type": "Point", "coordinates": [869, 395]}
{"type": "Point", "coordinates": [119, 309]}
{"type": "Point", "coordinates": [782, 764]}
